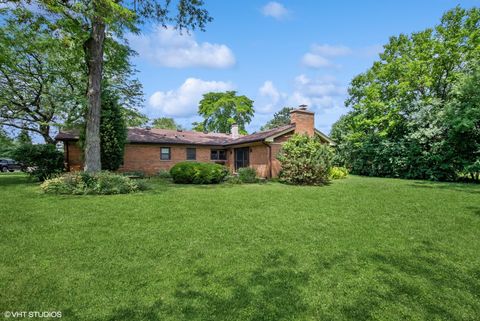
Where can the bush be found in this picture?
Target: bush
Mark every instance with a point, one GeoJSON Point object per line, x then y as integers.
{"type": "Point", "coordinates": [305, 161]}
{"type": "Point", "coordinates": [247, 175]}
{"type": "Point", "coordinates": [233, 179]}
{"type": "Point", "coordinates": [198, 173]}
{"type": "Point", "coordinates": [81, 183]}
{"type": "Point", "coordinates": [338, 172]}
{"type": "Point", "coordinates": [39, 161]}
{"type": "Point", "coordinates": [164, 174]}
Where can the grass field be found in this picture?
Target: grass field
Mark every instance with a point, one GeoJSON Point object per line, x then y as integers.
{"type": "Point", "coordinates": [359, 249]}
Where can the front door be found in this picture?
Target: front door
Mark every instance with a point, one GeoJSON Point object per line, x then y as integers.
{"type": "Point", "coordinates": [241, 157]}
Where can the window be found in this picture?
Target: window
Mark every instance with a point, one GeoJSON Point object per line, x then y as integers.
{"type": "Point", "coordinates": [218, 154]}
{"type": "Point", "coordinates": [191, 153]}
{"type": "Point", "coordinates": [165, 153]}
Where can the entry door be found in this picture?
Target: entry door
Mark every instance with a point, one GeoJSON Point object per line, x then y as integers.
{"type": "Point", "coordinates": [241, 157]}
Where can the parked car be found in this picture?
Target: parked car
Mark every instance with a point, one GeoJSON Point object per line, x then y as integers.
{"type": "Point", "coordinates": [9, 165]}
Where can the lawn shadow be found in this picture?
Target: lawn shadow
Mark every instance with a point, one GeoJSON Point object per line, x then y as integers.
{"type": "Point", "coordinates": [272, 291]}
{"type": "Point", "coordinates": [474, 209]}
{"type": "Point", "coordinates": [9, 179]}
{"type": "Point", "coordinates": [423, 280]}
{"type": "Point", "coordinates": [459, 187]}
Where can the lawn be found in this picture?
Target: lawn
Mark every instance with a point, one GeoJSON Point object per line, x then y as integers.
{"type": "Point", "coordinates": [359, 249]}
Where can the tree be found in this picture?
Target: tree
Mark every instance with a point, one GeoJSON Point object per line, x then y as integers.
{"type": "Point", "coordinates": [6, 144]}
{"type": "Point", "coordinates": [165, 123]}
{"type": "Point", "coordinates": [43, 79]}
{"type": "Point", "coordinates": [280, 118]}
{"type": "Point", "coordinates": [23, 137]}
{"type": "Point", "coordinates": [221, 110]}
{"type": "Point", "coordinates": [396, 125]}
{"type": "Point", "coordinates": [88, 21]}
{"type": "Point", "coordinates": [113, 132]}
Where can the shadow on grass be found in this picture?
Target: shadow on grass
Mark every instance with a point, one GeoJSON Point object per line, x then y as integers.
{"type": "Point", "coordinates": [9, 179]}
{"type": "Point", "coordinates": [459, 187]}
{"type": "Point", "coordinates": [421, 284]}
{"type": "Point", "coordinates": [474, 210]}
{"type": "Point", "coordinates": [273, 291]}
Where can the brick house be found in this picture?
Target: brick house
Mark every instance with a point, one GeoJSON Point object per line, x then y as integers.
{"type": "Point", "coordinates": [152, 150]}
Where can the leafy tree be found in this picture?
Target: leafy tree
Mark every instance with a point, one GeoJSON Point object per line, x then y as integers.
{"type": "Point", "coordinates": [6, 144]}
{"type": "Point", "coordinates": [87, 22]}
{"type": "Point", "coordinates": [396, 125]}
{"type": "Point", "coordinates": [165, 123]}
{"type": "Point", "coordinates": [23, 137]}
{"type": "Point", "coordinates": [305, 161]}
{"type": "Point", "coordinates": [43, 78]}
{"type": "Point", "coordinates": [113, 132]}
{"type": "Point", "coordinates": [221, 110]}
{"type": "Point", "coordinates": [41, 160]}
{"type": "Point", "coordinates": [280, 118]}
{"type": "Point", "coordinates": [463, 120]}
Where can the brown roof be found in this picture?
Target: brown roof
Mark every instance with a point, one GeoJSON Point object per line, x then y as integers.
{"type": "Point", "coordinates": [167, 136]}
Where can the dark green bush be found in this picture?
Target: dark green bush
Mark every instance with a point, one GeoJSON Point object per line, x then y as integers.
{"type": "Point", "coordinates": [39, 161]}
{"type": "Point", "coordinates": [198, 173]}
{"type": "Point", "coordinates": [305, 161]}
{"type": "Point", "coordinates": [247, 175]}
{"type": "Point", "coordinates": [82, 183]}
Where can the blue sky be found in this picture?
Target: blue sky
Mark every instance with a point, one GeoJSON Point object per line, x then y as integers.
{"type": "Point", "coordinates": [281, 53]}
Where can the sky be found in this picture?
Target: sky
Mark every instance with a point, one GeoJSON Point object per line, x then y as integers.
{"type": "Point", "coordinates": [277, 53]}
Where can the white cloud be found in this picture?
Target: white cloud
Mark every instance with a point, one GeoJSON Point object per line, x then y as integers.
{"type": "Point", "coordinates": [183, 101]}
{"type": "Point", "coordinates": [168, 48]}
{"type": "Point", "coordinates": [269, 98]}
{"type": "Point", "coordinates": [315, 61]}
{"type": "Point", "coordinates": [330, 51]}
{"type": "Point", "coordinates": [275, 10]}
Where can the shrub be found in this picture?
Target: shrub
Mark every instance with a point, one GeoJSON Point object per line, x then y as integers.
{"type": "Point", "coordinates": [247, 175]}
{"type": "Point", "coordinates": [164, 174]}
{"type": "Point", "coordinates": [233, 179]}
{"type": "Point", "coordinates": [338, 172]}
{"type": "Point", "coordinates": [198, 173]}
{"type": "Point", "coordinates": [39, 161]}
{"type": "Point", "coordinates": [80, 183]}
{"type": "Point", "coordinates": [305, 161]}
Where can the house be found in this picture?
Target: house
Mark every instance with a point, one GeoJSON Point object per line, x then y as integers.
{"type": "Point", "coordinates": [152, 150]}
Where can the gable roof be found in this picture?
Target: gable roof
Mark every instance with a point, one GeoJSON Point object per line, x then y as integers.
{"type": "Point", "coordinates": [168, 136]}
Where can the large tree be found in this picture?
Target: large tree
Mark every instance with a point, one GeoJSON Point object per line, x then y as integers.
{"type": "Point", "coordinates": [221, 110]}
{"type": "Point", "coordinates": [396, 125]}
{"type": "Point", "coordinates": [165, 123]}
{"type": "Point", "coordinates": [43, 77]}
{"type": "Point", "coordinates": [92, 22]}
{"type": "Point", "coordinates": [280, 118]}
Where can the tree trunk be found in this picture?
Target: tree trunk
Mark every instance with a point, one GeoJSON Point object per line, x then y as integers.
{"type": "Point", "coordinates": [94, 57]}
{"type": "Point", "coordinates": [45, 132]}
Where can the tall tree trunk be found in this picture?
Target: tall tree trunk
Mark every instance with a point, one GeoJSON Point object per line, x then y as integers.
{"type": "Point", "coordinates": [45, 132]}
{"type": "Point", "coordinates": [94, 56]}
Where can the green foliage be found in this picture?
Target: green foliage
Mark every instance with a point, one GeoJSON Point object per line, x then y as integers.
{"type": "Point", "coordinates": [40, 161]}
{"type": "Point", "coordinates": [198, 173]}
{"type": "Point", "coordinates": [221, 110]}
{"type": "Point", "coordinates": [82, 183]}
{"type": "Point", "coordinates": [305, 161]}
{"type": "Point", "coordinates": [23, 137]}
{"type": "Point", "coordinates": [233, 179]}
{"type": "Point", "coordinates": [165, 123]}
{"type": "Point", "coordinates": [247, 175]}
{"type": "Point", "coordinates": [414, 113]}
{"type": "Point", "coordinates": [338, 172]}
{"type": "Point", "coordinates": [6, 144]}
{"type": "Point", "coordinates": [113, 132]}
{"type": "Point", "coordinates": [280, 118]}
{"type": "Point", "coordinates": [164, 174]}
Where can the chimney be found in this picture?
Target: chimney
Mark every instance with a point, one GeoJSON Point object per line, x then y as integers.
{"type": "Point", "coordinates": [304, 120]}
{"type": "Point", "coordinates": [234, 131]}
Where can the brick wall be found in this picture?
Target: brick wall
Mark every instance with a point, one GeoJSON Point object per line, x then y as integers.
{"type": "Point", "coordinates": [304, 121]}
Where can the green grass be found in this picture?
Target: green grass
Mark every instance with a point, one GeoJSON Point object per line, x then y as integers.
{"type": "Point", "coordinates": [359, 249]}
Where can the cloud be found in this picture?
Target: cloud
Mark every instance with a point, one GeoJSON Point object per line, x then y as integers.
{"type": "Point", "coordinates": [166, 47]}
{"type": "Point", "coordinates": [330, 51]}
{"type": "Point", "coordinates": [183, 101]}
{"type": "Point", "coordinates": [269, 98]}
{"type": "Point", "coordinates": [320, 55]}
{"type": "Point", "coordinates": [275, 10]}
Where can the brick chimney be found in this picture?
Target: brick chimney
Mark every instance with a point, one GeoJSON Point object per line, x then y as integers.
{"type": "Point", "coordinates": [304, 120]}
{"type": "Point", "coordinates": [234, 131]}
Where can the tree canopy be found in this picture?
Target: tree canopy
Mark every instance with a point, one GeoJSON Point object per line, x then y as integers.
{"type": "Point", "coordinates": [280, 118]}
{"type": "Point", "coordinates": [397, 124]}
{"type": "Point", "coordinates": [165, 123]}
{"type": "Point", "coordinates": [221, 110]}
